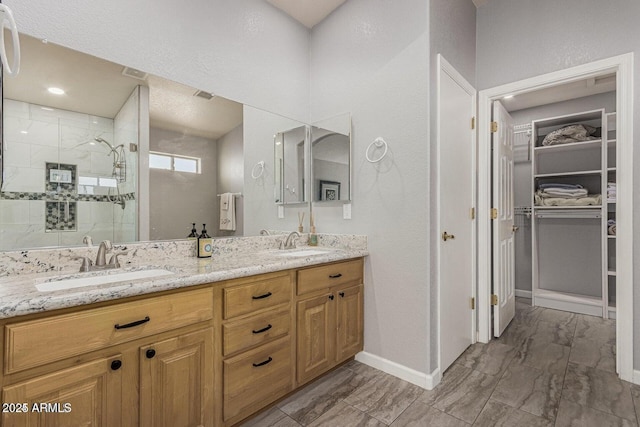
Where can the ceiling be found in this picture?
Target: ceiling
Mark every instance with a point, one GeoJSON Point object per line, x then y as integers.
{"type": "Point", "coordinates": [307, 12]}
{"type": "Point", "coordinates": [98, 87]}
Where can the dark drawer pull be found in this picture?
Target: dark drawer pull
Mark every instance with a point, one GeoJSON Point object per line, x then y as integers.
{"type": "Point", "coordinates": [116, 364]}
{"type": "Point", "coordinates": [341, 294]}
{"type": "Point", "coordinates": [263, 363]}
{"type": "Point", "coordinates": [335, 276]}
{"type": "Point", "coordinates": [265, 329]}
{"type": "Point", "coordinates": [331, 297]}
{"type": "Point", "coordinates": [267, 295]}
{"type": "Point", "coordinates": [132, 324]}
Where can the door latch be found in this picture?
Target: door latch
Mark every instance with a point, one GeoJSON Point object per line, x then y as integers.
{"type": "Point", "coordinates": [446, 236]}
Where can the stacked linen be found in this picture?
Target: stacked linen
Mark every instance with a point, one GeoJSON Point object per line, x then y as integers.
{"type": "Point", "coordinates": [555, 194]}
{"type": "Point", "coordinates": [612, 191]}
{"type": "Point", "coordinates": [611, 227]}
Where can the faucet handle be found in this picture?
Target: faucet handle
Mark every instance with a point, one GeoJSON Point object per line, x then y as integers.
{"type": "Point", "coordinates": [86, 263]}
{"type": "Point", "coordinates": [107, 244]}
{"type": "Point", "coordinates": [114, 258]}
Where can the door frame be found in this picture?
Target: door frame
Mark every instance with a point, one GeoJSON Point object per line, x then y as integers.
{"type": "Point", "coordinates": [445, 67]}
{"type": "Point", "coordinates": [622, 65]}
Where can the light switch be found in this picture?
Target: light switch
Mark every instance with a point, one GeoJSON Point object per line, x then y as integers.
{"type": "Point", "coordinates": [346, 211]}
{"type": "Point", "coordinates": [280, 212]}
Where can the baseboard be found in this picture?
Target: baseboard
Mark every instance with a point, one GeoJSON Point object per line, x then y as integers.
{"type": "Point", "coordinates": [636, 376]}
{"type": "Point", "coordinates": [427, 381]}
{"type": "Point", "coordinates": [523, 294]}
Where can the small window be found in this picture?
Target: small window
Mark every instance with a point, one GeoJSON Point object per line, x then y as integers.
{"type": "Point", "coordinates": [174, 162]}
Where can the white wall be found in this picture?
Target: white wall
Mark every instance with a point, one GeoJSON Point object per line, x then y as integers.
{"type": "Point", "coordinates": [178, 199]}
{"type": "Point", "coordinates": [246, 51]}
{"type": "Point", "coordinates": [231, 174]}
{"type": "Point", "coordinates": [370, 58]}
{"type": "Point", "coordinates": [517, 40]}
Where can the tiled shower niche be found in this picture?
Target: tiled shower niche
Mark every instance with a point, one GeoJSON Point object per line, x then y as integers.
{"type": "Point", "coordinates": [60, 179]}
{"type": "Point", "coordinates": [60, 216]}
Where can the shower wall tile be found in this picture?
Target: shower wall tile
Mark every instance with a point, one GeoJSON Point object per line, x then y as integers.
{"type": "Point", "coordinates": [41, 154]}
{"type": "Point", "coordinates": [22, 236]}
{"type": "Point", "coordinates": [17, 155]}
{"type": "Point", "coordinates": [15, 109]}
{"type": "Point", "coordinates": [101, 163]}
{"type": "Point", "coordinates": [102, 213]}
{"type": "Point", "coordinates": [36, 211]}
{"type": "Point", "coordinates": [102, 124]}
{"type": "Point", "coordinates": [14, 212]}
{"type": "Point", "coordinates": [23, 179]}
{"type": "Point", "coordinates": [84, 212]}
{"type": "Point", "coordinates": [37, 132]}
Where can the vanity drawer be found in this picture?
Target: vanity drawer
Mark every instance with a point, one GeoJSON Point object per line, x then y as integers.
{"type": "Point", "coordinates": [257, 377]}
{"type": "Point", "coordinates": [243, 334]}
{"type": "Point", "coordinates": [37, 342]}
{"type": "Point", "coordinates": [257, 295]}
{"type": "Point", "coordinates": [323, 277]}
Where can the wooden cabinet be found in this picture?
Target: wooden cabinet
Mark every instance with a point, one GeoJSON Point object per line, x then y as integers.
{"type": "Point", "coordinates": [257, 347]}
{"type": "Point", "coordinates": [176, 380]}
{"type": "Point", "coordinates": [329, 317]}
{"type": "Point", "coordinates": [141, 363]}
{"type": "Point", "coordinates": [89, 394]}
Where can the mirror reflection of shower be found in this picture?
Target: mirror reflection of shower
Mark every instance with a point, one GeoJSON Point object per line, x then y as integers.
{"type": "Point", "coordinates": [119, 171]}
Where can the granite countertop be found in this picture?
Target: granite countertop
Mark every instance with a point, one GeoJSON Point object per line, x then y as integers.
{"type": "Point", "coordinates": [19, 296]}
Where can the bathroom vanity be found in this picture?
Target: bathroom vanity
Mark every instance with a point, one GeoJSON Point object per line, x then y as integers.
{"type": "Point", "coordinates": [189, 350]}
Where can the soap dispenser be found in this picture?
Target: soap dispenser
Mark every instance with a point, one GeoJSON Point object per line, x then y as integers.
{"type": "Point", "coordinates": [194, 233]}
{"type": "Point", "coordinates": [205, 244]}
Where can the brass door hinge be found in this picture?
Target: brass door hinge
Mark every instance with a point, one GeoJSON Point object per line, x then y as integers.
{"type": "Point", "coordinates": [494, 126]}
{"type": "Point", "coordinates": [473, 213]}
{"type": "Point", "coordinates": [494, 213]}
{"type": "Point", "coordinates": [473, 123]}
{"type": "Point", "coordinates": [494, 299]}
{"type": "Point", "coordinates": [473, 303]}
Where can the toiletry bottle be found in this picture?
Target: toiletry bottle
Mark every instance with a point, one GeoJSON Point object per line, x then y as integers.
{"type": "Point", "coordinates": [313, 237]}
{"type": "Point", "coordinates": [194, 232]}
{"type": "Point", "coordinates": [205, 249]}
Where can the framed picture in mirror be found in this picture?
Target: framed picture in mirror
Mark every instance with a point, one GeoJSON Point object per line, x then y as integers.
{"type": "Point", "coordinates": [329, 190]}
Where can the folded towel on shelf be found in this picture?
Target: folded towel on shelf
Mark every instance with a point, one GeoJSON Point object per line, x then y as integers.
{"type": "Point", "coordinates": [227, 212]}
{"type": "Point", "coordinates": [568, 134]}
{"type": "Point", "coordinates": [589, 200]}
{"type": "Point", "coordinates": [568, 194]}
{"type": "Point", "coordinates": [558, 185]}
{"type": "Point", "coordinates": [611, 230]}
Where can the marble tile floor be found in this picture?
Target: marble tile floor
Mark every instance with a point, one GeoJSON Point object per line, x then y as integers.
{"type": "Point", "coordinates": [550, 368]}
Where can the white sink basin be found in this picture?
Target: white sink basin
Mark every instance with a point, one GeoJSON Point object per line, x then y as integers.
{"type": "Point", "coordinates": [79, 282]}
{"type": "Point", "coordinates": [301, 253]}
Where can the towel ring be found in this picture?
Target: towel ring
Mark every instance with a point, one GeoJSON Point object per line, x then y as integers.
{"type": "Point", "coordinates": [257, 170]}
{"type": "Point", "coordinates": [379, 142]}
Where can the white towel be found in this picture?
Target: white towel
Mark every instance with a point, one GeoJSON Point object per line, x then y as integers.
{"type": "Point", "coordinates": [227, 212]}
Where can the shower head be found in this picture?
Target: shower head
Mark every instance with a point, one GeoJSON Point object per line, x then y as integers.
{"type": "Point", "coordinates": [98, 139]}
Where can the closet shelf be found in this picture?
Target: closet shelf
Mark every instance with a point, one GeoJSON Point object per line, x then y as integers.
{"type": "Point", "coordinates": [567, 208]}
{"type": "Point", "coordinates": [578, 173]}
{"type": "Point", "coordinates": [611, 169]}
{"type": "Point", "coordinates": [609, 236]}
{"type": "Point", "coordinates": [572, 146]}
{"type": "Point", "coordinates": [611, 200]}
{"type": "Point", "coordinates": [568, 297]}
{"type": "Point", "coordinates": [611, 273]}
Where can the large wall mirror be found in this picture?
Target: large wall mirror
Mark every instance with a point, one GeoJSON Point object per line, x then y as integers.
{"type": "Point", "coordinates": [89, 146]}
{"type": "Point", "coordinates": [291, 162]}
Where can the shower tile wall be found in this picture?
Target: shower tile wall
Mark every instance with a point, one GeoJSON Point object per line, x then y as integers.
{"type": "Point", "coordinates": [35, 135]}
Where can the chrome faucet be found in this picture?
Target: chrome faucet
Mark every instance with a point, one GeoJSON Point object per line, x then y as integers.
{"type": "Point", "coordinates": [290, 241]}
{"type": "Point", "coordinates": [264, 232]}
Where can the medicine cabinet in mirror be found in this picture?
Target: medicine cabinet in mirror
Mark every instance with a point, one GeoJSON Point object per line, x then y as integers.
{"type": "Point", "coordinates": [331, 159]}
{"type": "Point", "coordinates": [290, 149]}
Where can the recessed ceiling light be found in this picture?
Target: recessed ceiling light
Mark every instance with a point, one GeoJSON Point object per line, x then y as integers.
{"type": "Point", "coordinates": [24, 131]}
{"type": "Point", "coordinates": [46, 108]}
{"type": "Point", "coordinates": [508, 97]}
{"type": "Point", "coordinates": [56, 91]}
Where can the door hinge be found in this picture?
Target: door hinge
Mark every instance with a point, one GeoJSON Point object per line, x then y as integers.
{"type": "Point", "coordinates": [494, 126]}
{"type": "Point", "coordinates": [494, 213]}
{"type": "Point", "coordinates": [473, 213]}
{"type": "Point", "coordinates": [473, 122]}
{"type": "Point", "coordinates": [494, 299]}
{"type": "Point", "coordinates": [473, 303]}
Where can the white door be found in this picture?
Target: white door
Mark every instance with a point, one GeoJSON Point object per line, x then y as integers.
{"type": "Point", "coordinates": [503, 231]}
{"type": "Point", "coordinates": [456, 198]}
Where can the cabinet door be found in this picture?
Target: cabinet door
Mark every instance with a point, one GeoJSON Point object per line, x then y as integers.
{"type": "Point", "coordinates": [316, 336]}
{"type": "Point", "coordinates": [176, 381]}
{"type": "Point", "coordinates": [86, 395]}
{"type": "Point", "coordinates": [350, 318]}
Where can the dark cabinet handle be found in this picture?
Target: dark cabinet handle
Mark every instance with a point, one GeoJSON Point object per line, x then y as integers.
{"type": "Point", "coordinates": [150, 353]}
{"type": "Point", "coordinates": [116, 364]}
{"type": "Point", "coordinates": [267, 295]}
{"type": "Point", "coordinates": [331, 297]}
{"type": "Point", "coordinates": [132, 324]}
{"type": "Point", "coordinates": [265, 329]}
{"type": "Point", "coordinates": [335, 276]}
{"type": "Point", "coordinates": [262, 363]}
{"type": "Point", "coordinates": [341, 294]}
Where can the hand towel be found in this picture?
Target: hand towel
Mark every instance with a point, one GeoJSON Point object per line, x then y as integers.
{"type": "Point", "coordinates": [227, 212]}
